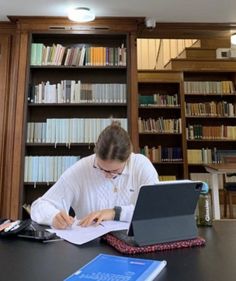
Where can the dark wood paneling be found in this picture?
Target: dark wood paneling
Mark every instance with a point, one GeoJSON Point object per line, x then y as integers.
{"type": "Point", "coordinates": [19, 119]}
{"type": "Point", "coordinates": [187, 30]}
{"type": "Point", "coordinates": [5, 43]}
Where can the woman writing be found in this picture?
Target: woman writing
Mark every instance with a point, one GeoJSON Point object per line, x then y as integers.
{"type": "Point", "coordinates": [102, 186]}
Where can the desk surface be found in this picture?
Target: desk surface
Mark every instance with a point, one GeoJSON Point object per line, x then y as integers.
{"type": "Point", "coordinates": [28, 260]}
{"type": "Point", "coordinates": [221, 168]}
{"type": "Point", "coordinates": [215, 170]}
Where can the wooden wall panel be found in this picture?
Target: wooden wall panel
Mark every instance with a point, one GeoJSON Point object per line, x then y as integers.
{"type": "Point", "coordinates": [19, 120]}
{"type": "Point", "coordinates": [5, 44]}
{"type": "Point", "coordinates": [133, 104]}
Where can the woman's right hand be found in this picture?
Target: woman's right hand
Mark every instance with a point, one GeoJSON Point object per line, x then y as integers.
{"type": "Point", "coordinates": [62, 220]}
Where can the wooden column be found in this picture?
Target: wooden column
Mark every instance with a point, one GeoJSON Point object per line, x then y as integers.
{"type": "Point", "coordinates": [5, 46]}
{"type": "Point", "coordinates": [133, 93]}
{"type": "Point", "coordinates": [7, 38]}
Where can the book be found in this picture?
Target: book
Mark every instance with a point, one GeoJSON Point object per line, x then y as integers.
{"type": "Point", "coordinates": [110, 267]}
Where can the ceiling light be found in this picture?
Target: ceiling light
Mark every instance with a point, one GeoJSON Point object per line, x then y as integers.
{"type": "Point", "coordinates": [233, 39]}
{"type": "Point", "coordinates": [81, 14]}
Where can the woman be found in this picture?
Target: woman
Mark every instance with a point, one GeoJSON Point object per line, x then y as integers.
{"type": "Point", "coordinates": [102, 186]}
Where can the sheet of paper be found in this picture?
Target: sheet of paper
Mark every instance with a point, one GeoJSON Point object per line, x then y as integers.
{"type": "Point", "coordinates": [80, 235]}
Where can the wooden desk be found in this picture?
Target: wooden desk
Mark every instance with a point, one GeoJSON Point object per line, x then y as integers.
{"type": "Point", "coordinates": [25, 260]}
{"type": "Point", "coordinates": [215, 170]}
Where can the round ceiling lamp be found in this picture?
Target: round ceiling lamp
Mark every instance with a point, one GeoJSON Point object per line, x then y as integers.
{"type": "Point", "coordinates": [81, 14]}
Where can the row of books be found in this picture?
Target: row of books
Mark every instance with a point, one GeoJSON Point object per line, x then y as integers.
{"type": "Point", "coordinates": [200, 132]}
{"type": "Point", "coordinates": [74, 130]}
{"type": "Point", "coordinates": [208, 155]}
{"type": "Point", "coordinates": [159, 125]}
{"type": "Point", "coordinates": [78, 55]}
{"type": "Point", "coordinates": [215, 109]}
{"type": "Point", "coordinates": [209, 87]}
{"type": "Point", "coordinates": [159, 99]}
{"type": "Point", "coordinates": [46, 168]}
{"type": "Point", "coordinates": [162, 154]}
{"type": "Point", "coordinates": [200, 156]}
{"type": "Point", "coordinates": [70, 91]}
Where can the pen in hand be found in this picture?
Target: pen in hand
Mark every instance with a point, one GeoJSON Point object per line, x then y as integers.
{"type": "Point", "coordinates": [64, 206]}
{"type": "Point", "coordinates": [96, 220]}
{"type": "Point", "coordinates": [65, 209]}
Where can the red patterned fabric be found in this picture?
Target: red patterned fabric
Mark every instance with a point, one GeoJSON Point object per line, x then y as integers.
{"type": "Point", "coordinates": [124, 248]}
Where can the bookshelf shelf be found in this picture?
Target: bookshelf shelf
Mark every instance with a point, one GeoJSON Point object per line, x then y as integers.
{"type": "Point", "coordinates": [168, 163]}
{"type": "Point", "coordinates": [210, 117]}
{"type": "Point", "coordinates": [150, 107]}
{"type": "Point", "coordinates": [220, 95]}
{"type": "Point", "coordinates": [197, 164]}
{"type": "Point", "coordinates": [212, 140]}
{"type": "Point", "coordinates": [88, 104]}
{"type": "Point", "coordinates": [55, 145]}
{"type": "Point", "coordinates": [164, 134]}
{"type": "Point", "coordinates": [38, 184]}
{"type": "Point", "coordinates": [92, 67]}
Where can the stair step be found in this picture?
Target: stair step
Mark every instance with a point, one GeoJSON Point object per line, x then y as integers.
{"type": "Point", "coordinates": [197, 64]}
{"type": "Point", "coordinates": [215, 43]}
{"type": "Point", "coordinates": [198, 53]}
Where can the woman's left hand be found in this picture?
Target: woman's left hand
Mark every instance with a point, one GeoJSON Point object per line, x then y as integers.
{"type": "Point", "coordinates": [97, 217]}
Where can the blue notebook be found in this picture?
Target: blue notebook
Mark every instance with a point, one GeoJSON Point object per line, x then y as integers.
{"type": "Point", "coordinates": [116, 268]}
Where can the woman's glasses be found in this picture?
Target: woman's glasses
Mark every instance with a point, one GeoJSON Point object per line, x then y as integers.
{"type": "Point", "coordinates": [112, 173]}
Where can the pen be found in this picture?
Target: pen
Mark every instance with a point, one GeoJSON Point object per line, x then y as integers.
{"type": "Point", "coordinates": [15, 227]}
{"type": "Point", "coordinates": [95, 221]}
{"type": "Point", "coordinates": [53, 240]}
{"type": "Point", "coordinates": [12, 225]}
{"type": "Point", "coordinates": [64, 206]}
{"type": "Point", "coordinates": [67, 212]}
{"type": "Point", "coordinates": [4, 225]}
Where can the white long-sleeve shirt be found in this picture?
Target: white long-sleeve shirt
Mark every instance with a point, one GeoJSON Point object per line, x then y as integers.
{"type": "Point", "coordinates": [86, 189]}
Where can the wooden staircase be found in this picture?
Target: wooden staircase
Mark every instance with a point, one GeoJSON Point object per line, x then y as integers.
{"type": "Point", "coordinates": [202, 56]}
{"type": "Point", "coordinates": [197, 53]}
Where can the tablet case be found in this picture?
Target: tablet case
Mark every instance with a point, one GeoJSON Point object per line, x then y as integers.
{"type": "Point", "coordinates": [124, 248]}
{"type": "Point", "coordinates": [165, 212]}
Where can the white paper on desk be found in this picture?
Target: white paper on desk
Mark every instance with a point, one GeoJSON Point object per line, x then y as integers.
{"type": "Point", "coordinates": [80, 235]}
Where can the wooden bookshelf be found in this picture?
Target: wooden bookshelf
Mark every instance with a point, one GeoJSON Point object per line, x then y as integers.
{"type": "Point", "coordinates": [210, 116]}
{"type": "Point", "coordinates": [207, 117]}
{"type": "Point", "coordinates": [36, 110]}
{"type": "Point", "coordinates": [73, 122]}
{"type": "Point", "coordinates": [160, 121]}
